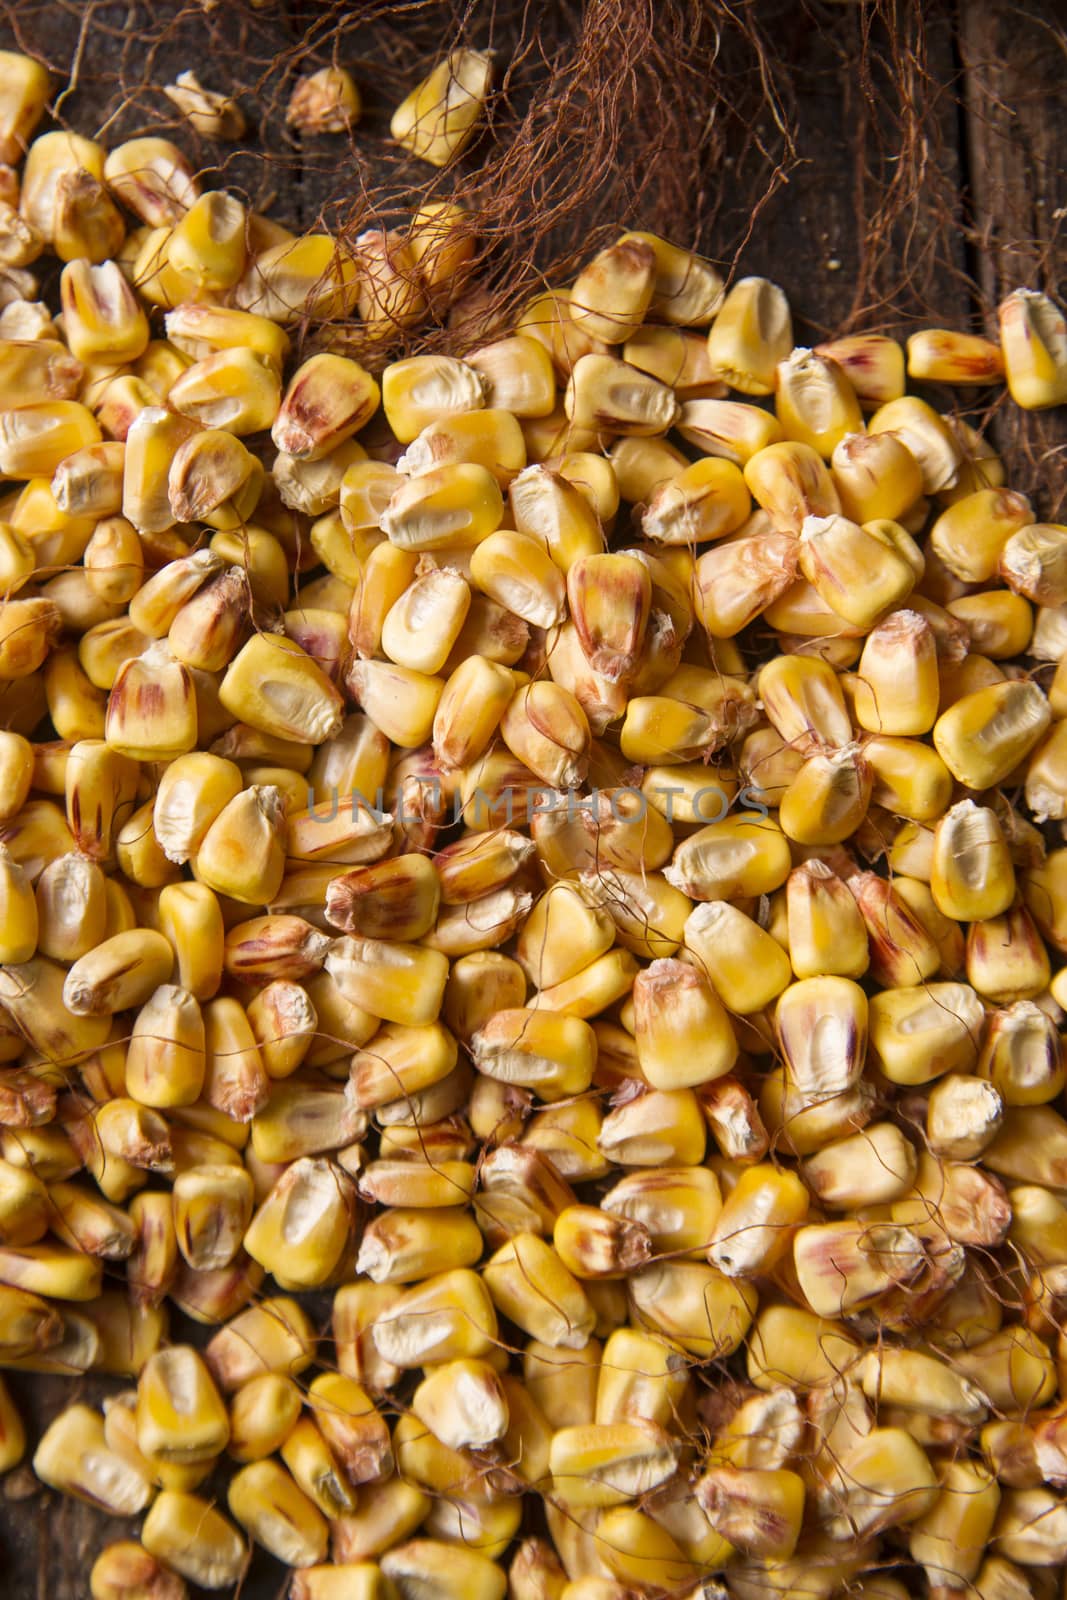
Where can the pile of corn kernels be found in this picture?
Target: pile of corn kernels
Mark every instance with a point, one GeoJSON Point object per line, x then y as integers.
{"type": "Point", "coordinates": [558, 850]}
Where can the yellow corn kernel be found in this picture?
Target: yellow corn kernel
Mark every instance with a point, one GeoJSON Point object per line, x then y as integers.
{"type": "Point", "coordinates": [972, 877]}
{"type": "Point", "coordinates": [71, 908]}
{"type": "Point", "coordinates": [387, 287]}
{"type": "Point", "coordinates": [612, 293]}
{"type": "Point", "coordinates": [312, 1202]}
{"type": "Point", "coordinates": [326, 101]}
{"type": "Point", "coordinates": [1021, 1056]}
{"type": "Point", "coordinates": [151, 710]}
{"type": "Point", "coordinates": [683, 1036]}
{"type": "Point", "coordinates": [263, 1414]}
{"type": "Point", "coordinates": [660, 1127]}
{"type": "Point", "coordinates": [675, 358]}
{"type": "Point", "coordinates": [479, 985]}
{"type": "Point", "coordinates": [488, 438]}
{"type": "Point", "coordinates": [315, 1469]}
{"type": "Point", "coordinates": [596, 1245]}
{"type": "Point", "coordinates": [233, 390]}
{"type": "Point", "coordinates": [1033, 338]}
{"type": "Point", "coordinates": [828, 799]}
{"type": "Point", "coordinates": [876, 476]}
{"type": "Point", "coordinates": [424, 389]}
{"type": "Point", "coordinates": [207, 246]}
{"type": "Point", "coordinates": [192, 792]}
{"type": "Point", "coordinates": [739, 579]}
{"type": "Point", "coordinates": [31, 992]}
{"type": "Point", "coordinates": [549, 508]}
{"type": "Point", "coordinates": [34, 441]}
{"type": "Point", "coordinates": [327, 400]}
{"type": "Point", "coordinates": [438, 118]}
{"type": "Point", "coordinates": [478, 864]}
{"type": "Point", "coordinates": [517, 375]}
{"type": "Point", "coordinates": [310, 275]}
{"type": "Point", "coordinates": [74, 1457]}
{"type": "Point", "coordinates": [552, 1054]}
{"type": "Point", "coordinates": [902, 950]}
{"type": "Point", "coordinates": [641, 466]}
{"type": "Point", "coordinates": [826, 932]}
{"type": "Point", "coordinates": [51, 158]}
{"type": "Point", "coordinates": [694, 1305]}
{"type": "Point", "coordinates": [942, 355]}
{"type": "Point", "coordinates": [402, 983]}
{"type": "Point", "coordinates": [463, 1404]}
{"type": "Point", "coordinates": [547, 319]}
{"type": "Point", "coordinates": [919, 1033]}
{"type": "Point", "coordinates": [970, 535]}
{"type": "Point", "coordinates": [758, 1511]}
{"type": "Point", "coordinates": [447, 1317]}
{"type": "Point", "coordinates": [125, 1568]}
{"type": "Point", "coordinates": [545, 728]}
{"type": "Point", "coordinates": [212, 1209]}
{"type": "Point", "coordinates": [26, 87]}
{"type": "Point", "coordinates": [687, 291]}
{"type": "Point", "coordinates": [821, 1025]}
{"type": "Point", "coordinates": [985, 735]}
{"type": "Point", "coordinates": [897, 687]}
{"type": "Point", "coordinates": [213, 479]}
{"type": "Point", "coordinates": [36, 371]}
{"type": "Point", "coordinates": [191, 1537]}
{"type": "Point", "coordinates": [814, 401]}
{"type": "Point", "coordinates": [181, 1417]}
{"type": "Point", "coordinates": [422, 626]}
{"type": "Point", "coordinates": [751, 334]}
{"type": "Point", "coordinates": [872, 1167]}
{"type": "Point", "coordinates": [195, 332]}
{"type": "Point", "coordinates": [455, 506]}
{"type": "Point", "coordinates": [153, 437]}
{"type": "Point", "coordinates": [754, 1229]}
{"type": "Point", "coordinates": [746, 967]}
{"type": "Point", "coordinates": [607, 395]}
{"type": "Point", "coordinates": [705, 501]}
{"type": "Point", "coordinates": [858, 572]}
{"type": "Point", "coordinates": [611, 1463]}
{"type": "Point", "coordinates": [235, 1081]}
{"type": "Point", "coordinates": [386, 575]}
{"type": "Point", "coordinates": [442, 245]}
{"type": "Point", "coordinates": [191, 919]}
{"type": "Point", "coordinates": [531, 1286]}
{"type": "Point", "coordinates": [1033, 563]}
{"type": "Point", "coordinates": [844, 1266]}
{"type": "Point", "coordinates": [910, 779]}
{"type": "Point", "coordinates": [745, 854]}
{"type": "Point", "coordinates": [274, 686]}
{"type": "Point", "coordinates": [791, 1346]}
{"type": "Point", "coordinates": [402, 1244]}
{"type": "Point", "coordinates": [118, 973]}
{"type": "Point", "coordinates": [166, 1061]}
{"type": "Point", "coordinates": [926, 435]}
{"type": "Point", "coordinates": [469, 710]}
{"type": "Point", "coordinates": [153, 179]}
{"type": "Point", "coordinates": [102, 319]}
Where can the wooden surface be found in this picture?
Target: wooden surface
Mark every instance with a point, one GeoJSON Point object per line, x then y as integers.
{"type": "Point", "coordinates": [996, 160]}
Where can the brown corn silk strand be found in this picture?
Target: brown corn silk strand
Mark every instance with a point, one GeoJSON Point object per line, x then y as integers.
{"type": "Point", "coordinates": [685, 117]}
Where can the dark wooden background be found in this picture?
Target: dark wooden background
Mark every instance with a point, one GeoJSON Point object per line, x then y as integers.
{"type": "Point", "coordinates": [1000, 158]}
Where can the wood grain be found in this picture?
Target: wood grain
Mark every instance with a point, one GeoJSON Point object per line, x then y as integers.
{"type": "Point", "coordinates": [1015, 61]}
{"type": "Point", "coordinates": [1004, 150]}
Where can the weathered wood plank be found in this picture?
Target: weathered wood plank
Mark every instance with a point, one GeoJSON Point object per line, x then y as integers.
{"type": "Point", "coordinates": [1015, 60]}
